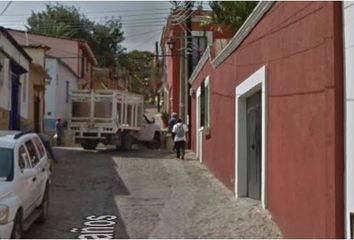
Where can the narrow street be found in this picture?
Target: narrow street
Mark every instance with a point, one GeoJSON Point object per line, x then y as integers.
{"type": "Point", "coordinates": [145, 194]}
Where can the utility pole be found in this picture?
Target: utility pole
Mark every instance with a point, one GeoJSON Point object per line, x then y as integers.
{"type": "Point", "coordinates": [189, 64]}
{"type": "Point", "coordinates": [157, 73]}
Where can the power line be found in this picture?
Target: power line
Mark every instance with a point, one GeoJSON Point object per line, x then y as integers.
{"type": "Point", "coordinates": [145, 40]}
{"type": "Point", "coordinates": [7, 6]}
{"type": "Point", "coordinates": [139, 34]}
{"type": "Point", "coordinates": [98, 12]}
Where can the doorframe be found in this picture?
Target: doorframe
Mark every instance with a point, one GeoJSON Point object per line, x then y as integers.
{"type": "Point", "coordinates": [254, 83]}
{"type": "Point", "coordinates": [199, 130]}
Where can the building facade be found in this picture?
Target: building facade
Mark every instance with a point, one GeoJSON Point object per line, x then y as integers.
{"type": "Point", "coordinates": [15, 64]}
{"type": "Point", "coordinates": [74, 53]}
{"type": "Point", "coordinates": [69, 63]}
{"type": "Point", "coordinates": [175, 51]}
{"type": "Point", "coordinates": [348, 30]}
{"type": "Point", "coordinates": [37, 77]}
{"type": "Point", "coordinates": [63, 80]}
{"type": "Point", "coordinates": [268, 116]}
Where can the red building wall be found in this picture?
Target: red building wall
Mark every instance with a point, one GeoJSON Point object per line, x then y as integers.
{"type": "Point", "coordinates": [175, 33]}
{"type": "Point", "coordinates": [300, 44]}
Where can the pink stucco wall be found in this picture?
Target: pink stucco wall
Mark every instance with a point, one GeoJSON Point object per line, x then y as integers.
{"type": "Point", "coordinates": [69, 51]}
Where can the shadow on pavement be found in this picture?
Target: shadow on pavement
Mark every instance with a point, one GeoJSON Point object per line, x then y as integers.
{"type": "Point", "coordinates": [83, 184]}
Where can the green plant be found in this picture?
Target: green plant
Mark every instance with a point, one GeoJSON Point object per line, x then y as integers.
{"type": "Point", "coordinates": [164, 116]}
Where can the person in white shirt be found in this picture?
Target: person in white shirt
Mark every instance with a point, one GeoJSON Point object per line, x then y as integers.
{"type": "Point", "coordinates": [180, 130]}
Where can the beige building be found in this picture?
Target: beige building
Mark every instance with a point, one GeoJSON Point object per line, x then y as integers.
{"type": "Point", "coordinates": [36, 83]}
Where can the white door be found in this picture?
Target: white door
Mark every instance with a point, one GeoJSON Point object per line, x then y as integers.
{"type": "Point", "coordinates": [199, 128]}
{"type": "Point", "coordinates": [25, 186]}
{"type": "Point", "coordinates": [37, 167]}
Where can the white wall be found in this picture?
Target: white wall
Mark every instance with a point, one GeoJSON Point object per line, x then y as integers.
{"type": "Point", "coordinates": [348, 12]}
{"type": "Point", "coordinates": [50, 92]}
{"type": "Point", "coordinates": [55, 100]}
{"type": "Point", "coordinates": [64, 75]}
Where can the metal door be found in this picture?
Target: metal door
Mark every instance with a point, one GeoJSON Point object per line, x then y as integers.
{"type": "Point", "coordinates": [254, 114]}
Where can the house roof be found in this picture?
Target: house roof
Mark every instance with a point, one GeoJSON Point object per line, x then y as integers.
{"type": "Point", "coordinates": [82, 43]}
{"type": "Point", "coordinates": [45, 47]}
{"type": "Point", "coordinates": [89, 51]}
{"type": "Point", "coordinates": [15, 43]}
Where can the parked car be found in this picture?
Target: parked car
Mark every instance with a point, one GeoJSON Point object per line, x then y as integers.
{"type": "Point", "coordinates": [24, 182]}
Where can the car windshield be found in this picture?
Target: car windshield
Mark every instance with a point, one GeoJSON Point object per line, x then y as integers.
{"type": "Point", "coordinates": [6, 164]}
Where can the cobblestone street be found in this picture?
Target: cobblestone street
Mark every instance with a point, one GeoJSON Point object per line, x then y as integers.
{"type": "Point", "coordinates": [152, 194]}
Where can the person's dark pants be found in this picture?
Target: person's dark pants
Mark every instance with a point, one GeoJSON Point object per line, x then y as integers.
{"type": "Point", "coordinates": [173, 140]}
{"type": "Point", "coordinates": [48, 147]}
{"type": "Point", "coordinates": [180, 148]}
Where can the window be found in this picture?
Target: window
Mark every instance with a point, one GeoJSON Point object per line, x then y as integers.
{"type": "Point", "coordinates": [86, 65]}
{"type": "Point", "coordinates": [82, 66]}
{"type": "Point", "coordinates": [205, 103]}
{"type": "Point", "coordinates": [6, 164]}
{"type": "Point", "coordinates": [199, 44]}
{"type": "Point", "coordinates": [32, 152]}
{"type": "Point", "coordinates": [67, 89]}
{"type": "Point", "coordinates": [23, 159]}
{"type": "Point", "coordinates": [40, 147]}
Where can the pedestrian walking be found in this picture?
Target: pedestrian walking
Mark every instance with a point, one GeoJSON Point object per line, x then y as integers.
{"type": "Point", "coordinates": [48, 146]}
{"type": "Point", "coordinates": [171, 122]}
{"type": "Point", "coordinates": [180, 129]}
{"type": "Point", "coordinates": [59, 131]}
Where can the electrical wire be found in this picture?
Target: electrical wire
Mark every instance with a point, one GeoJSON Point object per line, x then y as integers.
{"type": "Point", "coordinates": [97, 12]}
{"type": "Point", "coordinates": [7, 6]}
{"type": "Point", "coordinates": [145, 40]}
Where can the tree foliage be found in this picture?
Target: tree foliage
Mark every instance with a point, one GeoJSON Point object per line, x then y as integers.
{"type": "Point", "coordinates": [64, 21]}
{"type": "Point", "coordinates": [231, 13]}
{"type": "Point", "coordinates": [140, 70]}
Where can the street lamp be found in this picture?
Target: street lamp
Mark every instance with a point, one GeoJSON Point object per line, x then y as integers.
{"type": "Point", "coordinates": [171, 44]}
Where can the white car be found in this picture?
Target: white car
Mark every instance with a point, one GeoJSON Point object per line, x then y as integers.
{"type": "Point", "coordinates": [24, 182]}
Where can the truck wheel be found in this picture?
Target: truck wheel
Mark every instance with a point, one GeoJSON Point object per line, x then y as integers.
{"type": "Point", "coordinates": [44, 207]}
{"type": "Point", "coordinates": [127, 141]}
{"type": "Point", "coordinates": [17, 229]}
{"type": "Point", "coordinates": [89, 145]}
{"type": "Point", "coordinates": [156, 142]}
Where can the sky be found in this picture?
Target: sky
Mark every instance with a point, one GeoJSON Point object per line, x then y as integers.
{"type": "Point", "coordinates": [142, 20]}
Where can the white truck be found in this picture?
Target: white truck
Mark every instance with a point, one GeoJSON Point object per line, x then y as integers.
{"type": "Point", "coordinates": [111, 117]}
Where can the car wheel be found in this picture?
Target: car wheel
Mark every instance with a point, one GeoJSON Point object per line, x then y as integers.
{"type": "Point", "coordinates": [17, 229]}
{"type": "Point", "coordinates": [44, 207]}
{"type": "Point", "coordinates": [89, 145]}
{"type": "Point", "coordinates": [155, 143]}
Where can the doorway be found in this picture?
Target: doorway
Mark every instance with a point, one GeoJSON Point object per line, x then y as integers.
{"type": "Point", "coordinates": [37, 117]}
{"type": "Point", "coordinates": [250, 137]}
{"type": "Point", "coordinates": [254, 147]}
{"type": "Point", "coordinates": [15, 103]}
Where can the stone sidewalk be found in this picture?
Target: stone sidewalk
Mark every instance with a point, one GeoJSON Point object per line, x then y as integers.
{"type": "Point", "coordinates": [170, 198]}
